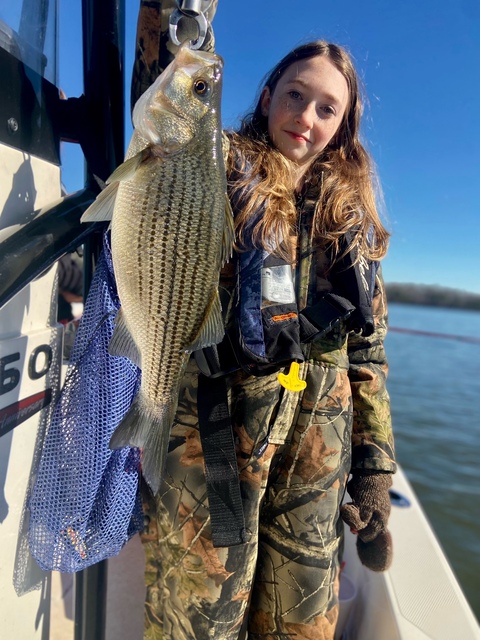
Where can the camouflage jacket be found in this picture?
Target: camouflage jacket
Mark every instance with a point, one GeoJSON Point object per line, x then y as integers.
{"type": "Point", "coordinates": [349, 369]}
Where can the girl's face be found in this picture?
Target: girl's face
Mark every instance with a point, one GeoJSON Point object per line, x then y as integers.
{"type": "Point", "coordinates": [305, 109]}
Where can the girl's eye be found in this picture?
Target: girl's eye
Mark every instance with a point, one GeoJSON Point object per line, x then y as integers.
{"type": "Point", "coordinates": [329, 111]}
{"type": "Point", "coordinates": [294, 95]}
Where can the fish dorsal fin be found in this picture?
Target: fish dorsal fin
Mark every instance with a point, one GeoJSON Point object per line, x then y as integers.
{"type": "Point", "coordinates": [102, 208]}
{"type": "Point", "coordinates": [127, 169]}
{"type": "Point", "coordinates": [122, 343]}
{"type": "Point", "coordinates": [212, 329]}
{"type": "Point", "coordinates": [228, 232]}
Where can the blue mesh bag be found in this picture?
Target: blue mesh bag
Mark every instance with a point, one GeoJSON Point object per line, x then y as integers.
{"type": "Point", "coordinates": [85, 502]}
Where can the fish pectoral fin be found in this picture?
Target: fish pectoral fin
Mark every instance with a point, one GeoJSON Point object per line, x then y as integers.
{"type": "Point", "coordinates": [212, 329]}
{"type": "Point", "coordinates": [102, 208]}
{"type": "Point", "coordinates": [122, 343]}
{"type": "Point", "coordinates": [127, 169]}
{"type": "Point", "coordinates": [228, 232]}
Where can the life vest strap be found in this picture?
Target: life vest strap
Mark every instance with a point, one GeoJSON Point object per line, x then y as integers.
{"type": "Point", "coordinates": [221, 472]}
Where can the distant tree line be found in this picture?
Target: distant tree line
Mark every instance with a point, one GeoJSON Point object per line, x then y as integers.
{"type": "Point", "coordinates": [432, 296]}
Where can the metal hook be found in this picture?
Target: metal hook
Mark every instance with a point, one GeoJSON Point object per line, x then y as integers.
{"type": "Point", "coordinates": [194, 7]}
{"type": "Point", "coordinates": [191, 7]}
{"type": "Point", "coordinates": [202, 25]}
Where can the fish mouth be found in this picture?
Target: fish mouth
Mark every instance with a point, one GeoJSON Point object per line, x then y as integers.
{"type": "Point", "coordinates": [186, 56]}
{"type": "Point", "coordinates": [161, 101]}
{"type": "Point", "coordinates": [192, 60]}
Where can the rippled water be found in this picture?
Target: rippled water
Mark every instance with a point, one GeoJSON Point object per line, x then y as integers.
{"type": "Point", "coordinates": [434, 384]}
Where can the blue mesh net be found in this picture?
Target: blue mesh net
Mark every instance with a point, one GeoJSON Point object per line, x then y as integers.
{"type": "Point", "coordinates": [85, 503]}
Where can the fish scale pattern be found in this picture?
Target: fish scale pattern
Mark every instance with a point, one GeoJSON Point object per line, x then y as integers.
{"type": "Point", "coordinates": [85, 503]}
{"type": "Point", "coordinates": [167, 234]}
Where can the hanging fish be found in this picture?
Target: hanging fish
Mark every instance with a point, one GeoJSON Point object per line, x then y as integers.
{"type": "Point", "coordinates": [172, 230]}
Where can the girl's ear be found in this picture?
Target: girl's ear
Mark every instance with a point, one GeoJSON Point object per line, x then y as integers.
{"type": "Point", "coordinates": [265, 100]}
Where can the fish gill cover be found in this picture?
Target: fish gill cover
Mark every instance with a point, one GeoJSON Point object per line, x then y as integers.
{"type": "Point", "coordinates": [85, 504]}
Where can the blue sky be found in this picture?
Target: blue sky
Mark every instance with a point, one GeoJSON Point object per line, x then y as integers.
{"type": "Point", "coordinates": [419, 65]}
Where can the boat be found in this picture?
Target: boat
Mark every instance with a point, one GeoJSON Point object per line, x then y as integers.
{"type": "Point", "coordinates": [419, 597]}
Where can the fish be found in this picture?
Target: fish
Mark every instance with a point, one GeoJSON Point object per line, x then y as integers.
{"type": "Point", "coordinates": [171, 232]}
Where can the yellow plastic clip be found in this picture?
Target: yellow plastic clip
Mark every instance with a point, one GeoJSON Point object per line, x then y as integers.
{"type": "Point", "coordinates": [291, 380]}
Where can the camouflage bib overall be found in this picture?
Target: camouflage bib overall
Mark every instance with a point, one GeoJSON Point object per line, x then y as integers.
{"type": "Point", "coordinates": [294, 454]}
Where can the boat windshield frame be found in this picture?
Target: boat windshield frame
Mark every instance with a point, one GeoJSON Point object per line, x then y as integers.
{"type": "Point", "coordinates": [29, 32]}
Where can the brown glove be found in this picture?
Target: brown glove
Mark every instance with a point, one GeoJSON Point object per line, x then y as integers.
{"type": "Point", "coordinates": [367, 515]}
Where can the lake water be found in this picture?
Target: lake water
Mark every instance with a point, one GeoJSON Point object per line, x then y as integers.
{"type": "Point", "coordinates": [434, 384]}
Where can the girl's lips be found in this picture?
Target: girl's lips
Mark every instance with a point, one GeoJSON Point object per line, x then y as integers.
{"type": "Point", "coordinates": [296, 136]}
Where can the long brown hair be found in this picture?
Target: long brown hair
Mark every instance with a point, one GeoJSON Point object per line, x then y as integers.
{"type": "Point", "coordinates": [342, 177]}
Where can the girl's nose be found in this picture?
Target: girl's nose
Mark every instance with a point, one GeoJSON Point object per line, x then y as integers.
{"type": "Point", "coordinates": [306, 115]}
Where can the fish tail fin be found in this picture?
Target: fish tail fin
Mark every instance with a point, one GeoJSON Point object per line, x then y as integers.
{"type": "Point", "coordinates": [134, 428]}
{"type": "Point", "coordinates": [155, 451]}
{"type": "Point", "coordinates": [150, 431]}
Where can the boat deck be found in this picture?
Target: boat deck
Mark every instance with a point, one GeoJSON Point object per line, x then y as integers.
{"type": "Point", "coordinates": [418, 598]}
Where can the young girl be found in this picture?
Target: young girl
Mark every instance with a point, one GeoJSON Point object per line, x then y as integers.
{"type": "Point", "coordinates": [300, 184]}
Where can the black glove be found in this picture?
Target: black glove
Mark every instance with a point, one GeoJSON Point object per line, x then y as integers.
{"type": "Point", "coordinates": [368, 514]}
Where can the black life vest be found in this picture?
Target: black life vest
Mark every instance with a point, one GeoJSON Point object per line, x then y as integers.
{"type": "Point", "coordinates": [266, 335]}
{"type": "Point", "coordinates": [269, 330]}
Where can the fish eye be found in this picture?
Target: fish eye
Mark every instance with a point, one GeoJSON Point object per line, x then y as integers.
{"type": "Point", "coordinates": [201, 88]}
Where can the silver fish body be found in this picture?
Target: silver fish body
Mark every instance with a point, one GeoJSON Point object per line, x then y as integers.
{"type": "Point", "coordinates": [171, 233]}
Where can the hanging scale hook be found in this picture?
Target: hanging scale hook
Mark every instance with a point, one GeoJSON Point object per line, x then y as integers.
{"type": "Point", "coordinates": [192, 10]}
